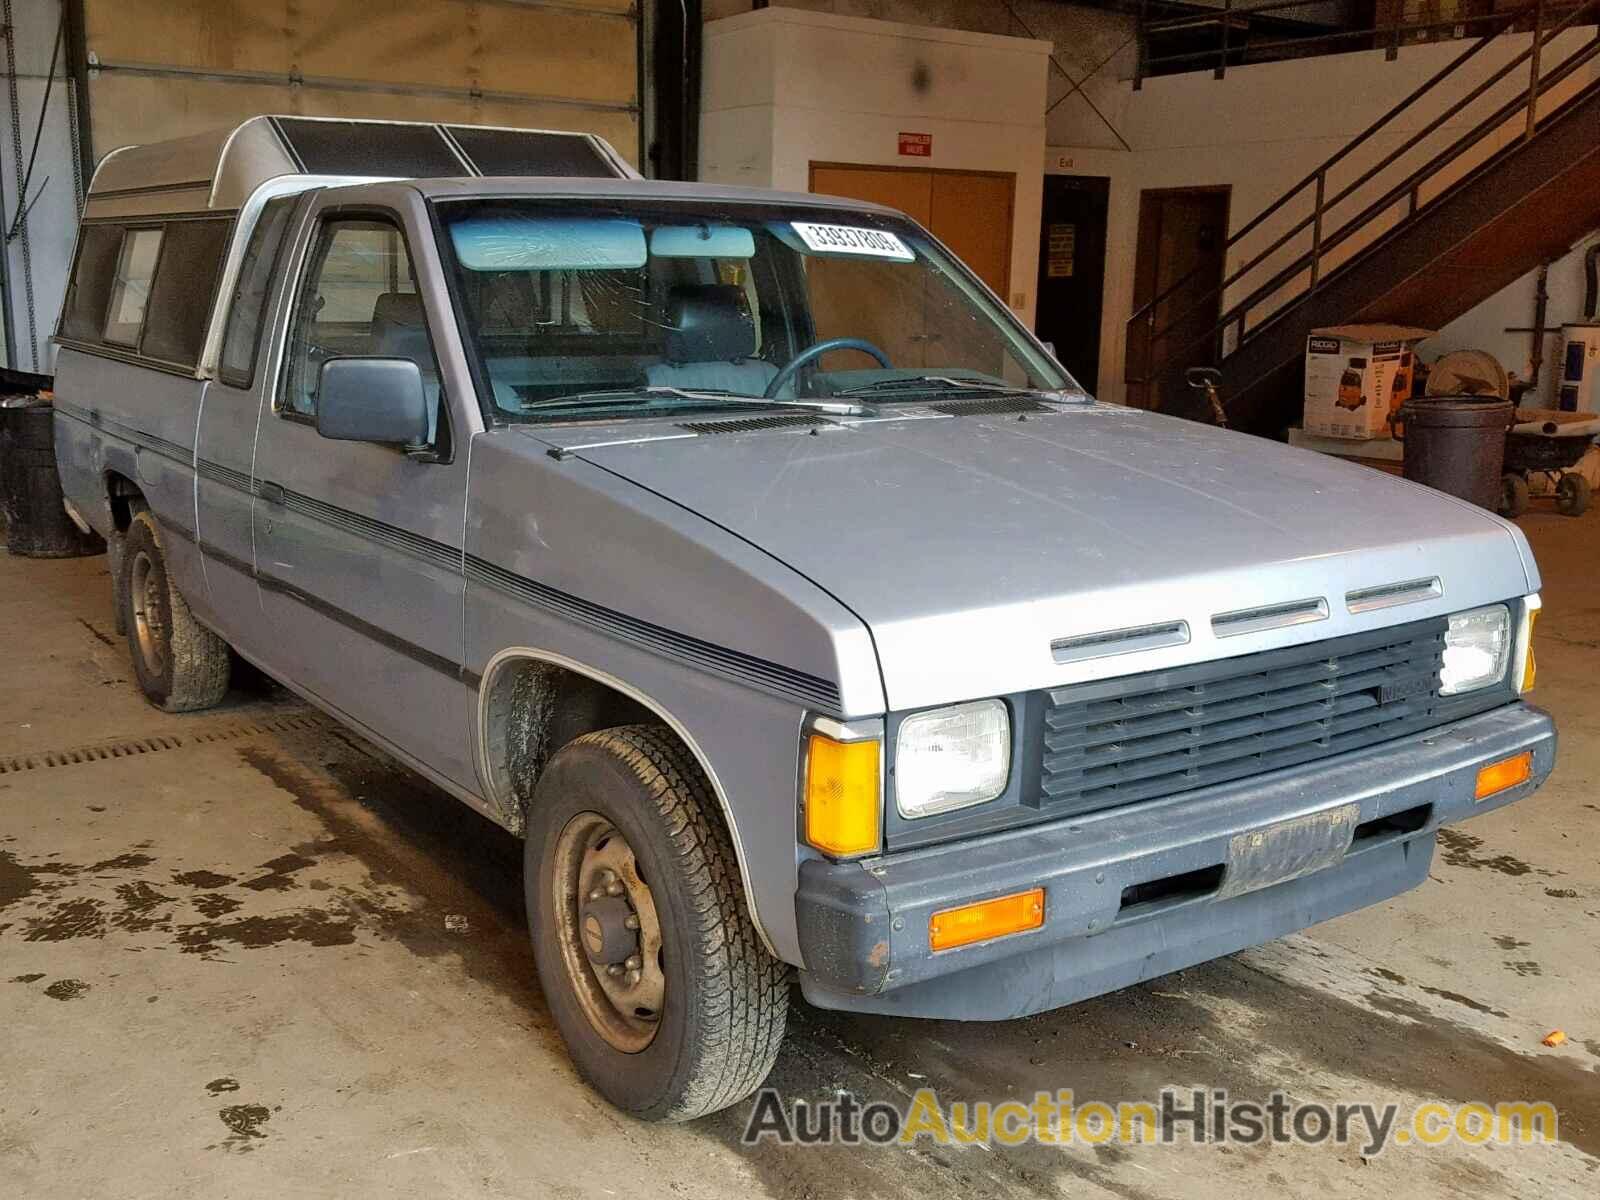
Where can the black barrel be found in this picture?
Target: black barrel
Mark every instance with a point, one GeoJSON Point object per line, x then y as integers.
{"type": "Point", "coordinates": [37, 524]}
{"type": "Point", "coordinates": [1457, 444]}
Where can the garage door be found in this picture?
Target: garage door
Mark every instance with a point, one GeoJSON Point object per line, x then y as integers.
{"type": "Point", "coordinates": [167, 68]}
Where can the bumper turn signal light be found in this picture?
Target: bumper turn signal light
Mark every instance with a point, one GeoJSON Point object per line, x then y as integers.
{"type": "Point", "coordinates": [987, 919]}
{"type": "Point", "coordinates": [1496, 777]}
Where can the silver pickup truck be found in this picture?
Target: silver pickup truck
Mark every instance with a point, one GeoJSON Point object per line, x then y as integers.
{"type": "Point", "coordinates": [746, 556]}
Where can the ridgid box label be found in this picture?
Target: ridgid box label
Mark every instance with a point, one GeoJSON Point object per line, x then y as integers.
{"type": "Point", "coordinates": [1356, 375]}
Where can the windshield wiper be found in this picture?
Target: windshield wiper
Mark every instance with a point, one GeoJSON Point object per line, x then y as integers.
{"type": "Point", "coordinates": [919, 383]}
{"type": "Point", "coordinates": [711, 396]}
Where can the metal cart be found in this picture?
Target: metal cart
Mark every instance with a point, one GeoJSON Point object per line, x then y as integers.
{"type": "Point", "coordinates": [1548, 443]}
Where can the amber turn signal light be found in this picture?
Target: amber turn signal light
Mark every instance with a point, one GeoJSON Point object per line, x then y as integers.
{"type": "Point", "coordinates": [1528, 665]}
{"type": "Point", "coordinates": [986, 919]}
{"type": "Point", "coordinates": [842, 803]}
{"type": "Point", "coordinates": [1507, 773]}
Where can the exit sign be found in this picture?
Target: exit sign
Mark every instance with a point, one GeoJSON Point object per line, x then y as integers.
{"type": "Point", "coordinates": [916, 145]}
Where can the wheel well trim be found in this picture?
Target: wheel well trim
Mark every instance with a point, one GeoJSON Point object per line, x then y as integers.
{"type": "Point", "coordinates": [513, 654]}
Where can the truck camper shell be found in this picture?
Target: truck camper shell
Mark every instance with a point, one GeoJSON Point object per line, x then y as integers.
{"type": "Point", "coordinates": [214, 184]}
{"type": "Point", "coordinates": [219, 171]}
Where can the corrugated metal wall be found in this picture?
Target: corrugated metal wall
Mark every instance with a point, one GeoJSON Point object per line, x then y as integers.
{"type": "Point", "coordinates": [166, 68]}
{"type": "Point", "coordinates": [39, 189]}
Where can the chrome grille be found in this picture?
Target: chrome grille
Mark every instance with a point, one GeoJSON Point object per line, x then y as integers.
{"type": "Point", "coordinates": [1142, 736]}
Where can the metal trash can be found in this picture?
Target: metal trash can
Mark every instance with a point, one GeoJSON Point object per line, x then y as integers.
{"type": "Point", "coordinates": [1457, 444]}
{"type": "Point", "coordinates": [37, 524]}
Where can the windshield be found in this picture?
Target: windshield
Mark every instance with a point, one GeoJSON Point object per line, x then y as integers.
{"type": "Point", "coordinates": [578, 309]}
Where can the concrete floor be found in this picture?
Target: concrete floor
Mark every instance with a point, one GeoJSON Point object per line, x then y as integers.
{"type": "Point", "coordinates": [242, 954]}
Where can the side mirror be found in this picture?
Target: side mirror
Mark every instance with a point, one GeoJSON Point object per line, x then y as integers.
{"type": "Point", "coordinates": [372, 400]}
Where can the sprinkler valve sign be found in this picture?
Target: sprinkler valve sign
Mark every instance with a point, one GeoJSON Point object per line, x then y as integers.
{"type": "Point", "coordinates": [916, 145]}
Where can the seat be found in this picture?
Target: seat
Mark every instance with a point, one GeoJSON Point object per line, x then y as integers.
{"type": "Point", "coordinates": [711, 343]}
{"type": "Point", "coordinates": [400, 330]}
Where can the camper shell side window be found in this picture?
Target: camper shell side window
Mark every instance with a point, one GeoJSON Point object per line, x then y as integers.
{"type": "Point", "coordinates": [192, 251]}
{"type": "Point", "coordinates": [130, 285]}
{"type": "Point", "coordinates": [143, 288]}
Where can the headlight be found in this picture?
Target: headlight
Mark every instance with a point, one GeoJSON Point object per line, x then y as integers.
{"type": "Point", "coordinates": [1476, 649]}
{"type": "Point", "coordinates": [951, 758]}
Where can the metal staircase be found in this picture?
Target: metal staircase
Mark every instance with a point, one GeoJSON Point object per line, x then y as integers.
{"type": "Point", "coordinates": [1415, 234]}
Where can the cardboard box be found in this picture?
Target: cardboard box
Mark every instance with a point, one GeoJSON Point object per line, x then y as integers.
{"type": "Point", "coordinates": [1356, 375]}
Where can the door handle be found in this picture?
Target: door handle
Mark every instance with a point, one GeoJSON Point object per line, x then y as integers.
{"type": "Point", "coordinates": [272, 493]}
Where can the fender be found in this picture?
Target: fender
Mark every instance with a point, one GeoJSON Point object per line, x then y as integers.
{"type": "Point", "coordinates": [514, 654]}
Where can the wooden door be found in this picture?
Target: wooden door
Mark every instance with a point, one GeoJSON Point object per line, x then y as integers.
{"type": "Point", "coordinates": [970, 212]}
{"type": "Point", "coordinates": [1183, 236]}
{"type": "Point", "coordinates": [909, 191]}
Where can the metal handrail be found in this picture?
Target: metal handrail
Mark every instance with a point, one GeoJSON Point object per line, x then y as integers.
{"type": "Point", "coordinates": [1231, 16]}
{"type": "Point", "coordinates": [1344, 151]}
{"type": "Point", "coordinates": [1245, 10]}
{"type": "Point", "coordinates": [1474, 137]}
{"type": "Point", "coordinates": [1321, 173]}
{"type": "Point", "coordinates": [1202, 57]}
{"type": "Point", "coordinates": [1318, 179]}
{"type": "Point", "coordinates": [1239, 312]}
{"type": "Point", "coordinates": [1463, 143]}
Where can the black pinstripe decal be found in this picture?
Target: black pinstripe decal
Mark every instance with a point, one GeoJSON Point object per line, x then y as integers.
{"type": "Point", "coordinates": [810, 690]}
{"type": "Point", "coordinates": [349, 620]}
{"type": "Point", "coordinates": [742, 668]}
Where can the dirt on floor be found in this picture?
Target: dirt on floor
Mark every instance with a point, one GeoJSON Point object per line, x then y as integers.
{"type": "Point", "coordinates": [243, 953]}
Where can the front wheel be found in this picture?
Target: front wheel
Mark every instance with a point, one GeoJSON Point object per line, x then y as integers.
{"type": "Point", "coordinates": [669, 1004]}
{"type": "Point", "coordinates": [1513, 495]}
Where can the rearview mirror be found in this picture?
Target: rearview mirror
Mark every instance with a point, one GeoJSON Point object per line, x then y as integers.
{"type": "Point", "coordinates": [372, 400]}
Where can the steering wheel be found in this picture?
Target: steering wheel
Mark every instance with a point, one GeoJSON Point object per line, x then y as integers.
{"type": "Point", "coordinates": [812, 353]}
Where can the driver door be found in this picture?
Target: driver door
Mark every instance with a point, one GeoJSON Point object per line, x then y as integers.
{"type": "Point", "coordinates": [358, 545]}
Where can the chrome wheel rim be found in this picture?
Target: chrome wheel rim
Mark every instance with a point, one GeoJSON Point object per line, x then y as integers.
{"type": "Point", "coordinates": [609, 932]}
{"type": "Point", "coordinates": [149, 623]}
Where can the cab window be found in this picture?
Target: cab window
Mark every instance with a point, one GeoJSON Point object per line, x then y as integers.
{"type": "Point", "coordinates": [359, 300]}
{"type": "Point", "coordinates": [247, 306]}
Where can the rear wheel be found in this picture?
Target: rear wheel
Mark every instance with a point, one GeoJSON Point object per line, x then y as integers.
{"type": "Point", "coordinates": [179, 663]}
{"type": "Point", "coordinates": [669, 1004]}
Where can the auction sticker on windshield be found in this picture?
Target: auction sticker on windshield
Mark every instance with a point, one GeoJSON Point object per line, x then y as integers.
{"type": "Point", "coordinates": [849, 239]}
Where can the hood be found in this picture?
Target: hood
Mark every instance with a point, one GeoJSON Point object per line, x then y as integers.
{"type": "Point", "coordinates": [969, 545]}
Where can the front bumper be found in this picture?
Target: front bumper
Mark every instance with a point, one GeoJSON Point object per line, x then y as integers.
{"type": "Point", "coordinates": [864, 925]}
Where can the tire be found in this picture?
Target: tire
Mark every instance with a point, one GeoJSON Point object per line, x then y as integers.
{"type": "Point", "coordinates": [119, 604]}
{"type": "Point", "coordinates": [1513, 496]}
{"type": "Point", "coordinates": [181, 665]}
{"type": "Point", "coordinates": [723, 1001]}
{"type": "Point", "coordinates": [1572, 495]}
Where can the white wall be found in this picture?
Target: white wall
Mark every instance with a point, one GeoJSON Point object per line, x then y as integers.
{"type": "Point", "coordinates": [1498, 324]}
{"type": "Point", "coordinates": [1263, 128]}
{"type": "Point", "coordinates": [784, 88]}
{"type": "Point", "coordinates": [1093, 49]}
